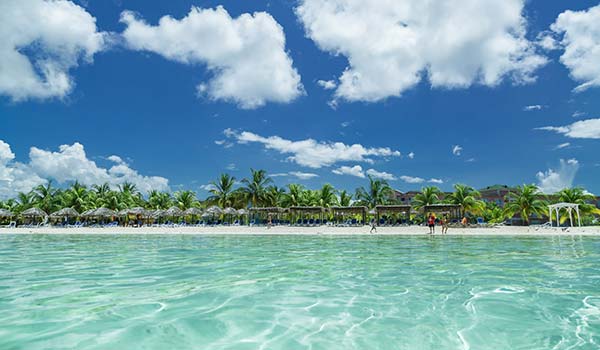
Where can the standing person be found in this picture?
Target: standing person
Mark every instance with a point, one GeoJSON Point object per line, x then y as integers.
{"type": "Point", "coordinates": [269, 221]}
{"type": "Point", "coordinates": [373, 226]}
{"type": "Point", "coordinates": [431, 223]}
{"type": "Point", "coordinates": [464, 221]}
{"type": "Point", "coordinates": [444, 222]}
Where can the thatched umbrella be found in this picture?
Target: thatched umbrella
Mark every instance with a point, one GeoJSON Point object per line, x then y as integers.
{"type": "Point", "coordinates": [6, 213]}
{"type": "Point", "coordinates": [103, 213]}
{"type": "Point", "coordinates": [173, 211]}
{"type": "Point", "coordinates": [242, 212]}
{"type": "Point", "coordinates": [193, 211]}
{"type": "Point", "coordinates": [87, 213]}
{"type": "Point", "coordinates": [214, 210]}
{"type": "Point", "coordinates": [138, 211]}
{"type": "Point", "coordinates": [34, 213]}
{"type": "Point", "coordinates": [157, 213]}
{"type": "Point", "coordinates": [65, 212]}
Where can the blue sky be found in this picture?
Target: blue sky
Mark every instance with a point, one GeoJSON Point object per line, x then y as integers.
{"type": "Point", "coordinates": [134, 95]}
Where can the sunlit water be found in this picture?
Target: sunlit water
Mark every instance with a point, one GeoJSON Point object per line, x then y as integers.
{"type": "Point", "coordinates": [299, 292]}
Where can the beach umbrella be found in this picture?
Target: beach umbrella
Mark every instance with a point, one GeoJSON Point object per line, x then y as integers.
{"type": "Point", "coordinates": [87, 213]}
{"type": "Point", "coordinates": [6, 213]}
{"type": "Point", "coordinates": [229, 211]}
{"type": "Point", "coordinates": [242, 212]}
{"type": "Point", "coordinates": [214, 210]}
{"type": "Point", "coordinates": [193, 211]}
{"type": "Point", "coordinates": [138, 211]}
{"type": "Point", "coordinates": [34, 212]}
{"type": "Point", "coordinates": [157, 213]}
{"type": "Point", "coordinates": [103, 213]}
{"type": "Point", "coordinates": [173, 211]}
{"type": "Point", "coordinates": [122, 212]}
{"type": "Point", "coordinates": [65, 212]}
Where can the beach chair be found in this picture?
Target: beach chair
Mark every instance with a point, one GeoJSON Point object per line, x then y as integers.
{"type": "Point", "coordinates": [480, 221]}
{"type": "Point", "coordinates": [12, 224]}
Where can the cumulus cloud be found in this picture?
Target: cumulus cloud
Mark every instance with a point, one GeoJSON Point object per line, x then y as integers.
{"type": "Point", "coordinates": [580, 32]}
{"type": "Point", "coordinates": [392, 45]}
{"type": "Point", "coordinates": [352, 171]}
{"type": "Point", "coordinates": [552, 181]}
{"type": "Point", "coordinates": [327, 84]}
{"type": "Point", "coordinates": [311, 153]}
{"type": "Point", "coordinates": [563, 145]}
{"type": "Point", "coordinates": [411, 155]}
{"type": "Point", "coordinates": [41, 41]}
{"type": "Point", "coordinates": [582, 129]}
{"type": "Point", "coordinates": [418, 180]}
{"type": "Point", "coordinates": [298, 174]}
{"type": "Point", "coordinates": [15, 177]}
{"type": "Point", "coordinates": [246, 55]}
{"type": "Point", "coordinates": [69, 163]}
{"type": "Point", "coordinates": [381, 175]}
{"type": "Point", "coordinates": [457, 150]}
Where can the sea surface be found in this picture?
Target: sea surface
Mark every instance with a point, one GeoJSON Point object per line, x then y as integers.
{"type": "Point", "coordinates": [299, 292]}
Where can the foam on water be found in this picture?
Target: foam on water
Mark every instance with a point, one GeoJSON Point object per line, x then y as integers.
{"type": "Point", "coordinates": [299, 292]}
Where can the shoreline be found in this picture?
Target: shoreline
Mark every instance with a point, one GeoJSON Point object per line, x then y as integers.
{"type": "Point", "coordinates": [317, 230]}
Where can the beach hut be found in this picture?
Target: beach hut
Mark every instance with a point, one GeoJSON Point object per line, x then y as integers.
{"type": "Point", "coordinates": [452, 210]}
{"type": "Point", "coordinates": [341, 214]}
{"type": "Point", "coordinates": [392, 214]}
{"type": "Point", "coordinates": [34, 213]}
{"type": "Point", "coordinates": [260, 215]}
{"type": "Point", "coordinates": [307, 215]}
{"type": "Point", "coordinates": [4, 213]}
{"type": "Point", "coordinates": [65, 213]}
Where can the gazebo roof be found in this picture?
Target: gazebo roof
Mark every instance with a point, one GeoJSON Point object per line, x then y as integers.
{"type": "Point", "coordinates": [563, 205]}
{"type": "Point", "coordinates": [308, 209]}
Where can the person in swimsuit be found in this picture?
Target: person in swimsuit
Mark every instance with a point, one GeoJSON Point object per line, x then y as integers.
{"type": "Point", "coordinates": [373, 226]}
{"type": "Point", "coordinates": [431, 224]}
{"type": "Point", "coordinates": [444, 223]}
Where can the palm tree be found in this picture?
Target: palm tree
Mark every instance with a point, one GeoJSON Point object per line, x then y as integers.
{"type": "Point", "coordinates": [222, 191]}
{"type": "Point", "coordinates": [326, 196]}
{"type": "Point", "coordinates": [185, 200]}
{"type": "Point", "coordinates": [274, 196]}
{"type": "Point", "coordinates": [466, 197]}
{"type": "Point", "coordinates": [428, 196]}
{"type": "Point", "coordinates": [378, 193]}
{"type": "Point", "coordinates": [293, 196]}
{"type": "Point", "coordinates": [159, 200]}
{"type": "Point", "coordinates": [254, 188]}
{"type": "Point", "coordinates": [24, 201]}
{"type": "Point", "coordinates": [77, 197]}
{"type": "Point", "coordinates": [526, 201]}
{"type": "Point", "coordinates": [345, 198]}
{"type": "Point", "coordinates": [492, 213]}
{"type": "Point", "coordinates": [46, 197]}
{"type": "Point", "coordinates": [579, 196]}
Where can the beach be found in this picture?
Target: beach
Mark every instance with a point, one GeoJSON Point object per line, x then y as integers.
{"type": "Point", "coordinates": [316, 230]}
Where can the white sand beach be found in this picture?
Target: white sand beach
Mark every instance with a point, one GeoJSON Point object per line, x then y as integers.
{"type": "Point", "coordinates": [317, 230]}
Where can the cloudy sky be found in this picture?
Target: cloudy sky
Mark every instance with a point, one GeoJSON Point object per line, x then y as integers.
{"type": "Point", "coordinates": [169, 95]}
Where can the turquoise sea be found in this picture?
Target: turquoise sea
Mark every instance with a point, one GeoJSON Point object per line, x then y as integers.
{"type": "Point", "coordinates": [298, 292]}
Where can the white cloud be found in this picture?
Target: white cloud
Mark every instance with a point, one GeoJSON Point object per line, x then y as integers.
{"type": "Point", "coordinates": [533, 108]}
{"type": "Point", "coordinates": [327, 84]}
{"type": "Point", "coordinates": [246, 55]}
{"type": "Point", "coordinates": [314, 154]}
{"type": "Point", "coordinates": [41, 41]}
{"type": "Point", "coordinates": [353, 171]}
{"type": "Point", "coordinates": [207, 187]}
{"type": "Point", "coordinates": [580, 32]}
{"type": "Point", "coordinates": [70, 163]}
{"type": "Point", "coordinates": [381, 175]}
{"type": "Point", "coordinates": [411, 155]}
{"type": "Point", "coordinates": [563, 145]}
{"type": "Point", "coordinates": [412, 179]}
{"type": "Point", "coordinates": [457, 150]}
{"type": "Point", "coordinates": [552, 181]}
{"type": "Point", "coordinates": [582, 129]}
{"type": "Point", "coordinates": [436, 181]}
{"type": "Point", "coordinates": [15, 177]}
{"type": "Point", "coordinates": [345, 124]}
{"type": "Point", "coordinates": [298, 174]}
{"type": "Point", "coordinates": [392, 45]}
{"type": "Point", "coordinates": [231, 167]}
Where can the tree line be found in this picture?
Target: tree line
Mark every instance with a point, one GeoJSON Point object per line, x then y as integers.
{"type": "Point", "coordinates": [259, 190]}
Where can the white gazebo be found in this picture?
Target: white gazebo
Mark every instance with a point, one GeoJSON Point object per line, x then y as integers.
{"type": "Point", "coordinates": [555, 208]}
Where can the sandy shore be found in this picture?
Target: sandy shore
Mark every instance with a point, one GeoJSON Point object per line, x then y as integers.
{"type": "Point", "coordinates": [321, 230]}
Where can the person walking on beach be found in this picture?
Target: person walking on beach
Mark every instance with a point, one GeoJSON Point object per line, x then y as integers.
{"type": "Point", "coordinates": [269, 221]}
{"type": "Point", "coordinates": [444, 223]}
{"type": "Point", "coordinates": [373, 226]}
{"type": "Point", "coordinates": [431, 223]}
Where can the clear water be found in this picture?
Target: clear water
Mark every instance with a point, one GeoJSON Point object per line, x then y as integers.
{"type": "Point", "coordinates": [299, 292]}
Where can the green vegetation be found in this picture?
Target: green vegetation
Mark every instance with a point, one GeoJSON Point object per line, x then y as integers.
{"type": "Point", "coordinates": [259, 190]}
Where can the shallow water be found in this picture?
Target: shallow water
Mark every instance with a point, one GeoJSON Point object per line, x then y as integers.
{"type": "Point", "coordinates": [298, 292]}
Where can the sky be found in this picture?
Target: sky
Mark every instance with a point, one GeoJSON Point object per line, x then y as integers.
{"type": "Point", "coordinates": [169, 95]}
